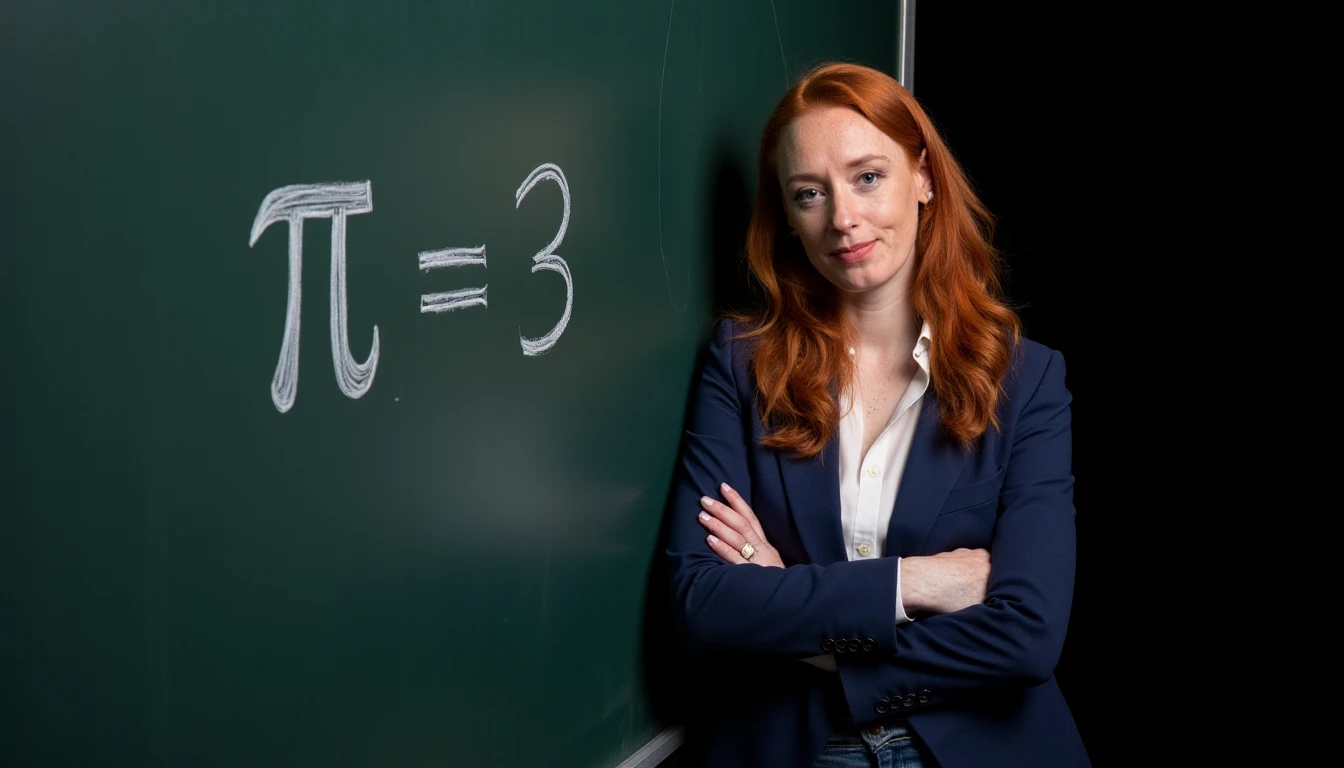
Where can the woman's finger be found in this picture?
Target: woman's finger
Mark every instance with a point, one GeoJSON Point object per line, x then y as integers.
{"type": "Point", "coordinates": [726, 552]}
{"type": "Point", "coordinates": [719, 529]}
{"type": "Point", "coordinates": [740, 505]}
{"type": "Point", "coordinates": [728, 515]}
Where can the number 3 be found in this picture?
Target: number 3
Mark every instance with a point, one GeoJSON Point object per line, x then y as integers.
{"type": "Point", "coordinates": [547, 258]}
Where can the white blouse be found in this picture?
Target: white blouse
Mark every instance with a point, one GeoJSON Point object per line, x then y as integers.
{"type": "Point", "coordinates": [868, 483]}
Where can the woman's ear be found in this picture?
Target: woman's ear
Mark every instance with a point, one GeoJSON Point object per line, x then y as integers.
{"type": "Point", "coordinates": [925, 177]}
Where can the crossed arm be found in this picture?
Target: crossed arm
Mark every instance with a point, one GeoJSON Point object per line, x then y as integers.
{"type": "Point", "coordinates": [939, 583]}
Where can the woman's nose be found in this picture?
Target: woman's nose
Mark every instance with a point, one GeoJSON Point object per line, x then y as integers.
{"type": "Point", "coordinates": [843, 214]}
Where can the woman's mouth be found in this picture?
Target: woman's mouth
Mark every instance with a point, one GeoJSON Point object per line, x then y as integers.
{"type": "Point", "coordinates": [854, 253]}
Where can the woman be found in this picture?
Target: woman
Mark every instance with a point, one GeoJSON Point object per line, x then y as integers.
{"type": "Point", "coordinates": [871, 544]}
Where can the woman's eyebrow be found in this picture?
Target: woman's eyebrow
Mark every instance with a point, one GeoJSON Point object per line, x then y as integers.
{"type": "Point", "coordinates": [851, 164]}
{"type": "Point", "coordinates": [867, 159]}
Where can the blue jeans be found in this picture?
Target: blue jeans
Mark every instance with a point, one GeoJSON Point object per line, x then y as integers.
{"type": "Point", "coordinates": [882, 746]}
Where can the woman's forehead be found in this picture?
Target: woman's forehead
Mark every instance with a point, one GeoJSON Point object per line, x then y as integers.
{"type": "Point", "coordinates": [831, 136]}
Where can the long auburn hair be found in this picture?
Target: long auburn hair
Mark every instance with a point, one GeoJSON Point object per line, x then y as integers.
{"type": "Point", "coordinates": [801, 338]}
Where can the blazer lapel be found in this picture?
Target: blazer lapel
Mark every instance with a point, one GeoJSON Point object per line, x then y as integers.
{"type": "Point", "coordinates": [930, 470]}
{"type": "Point", "coordinates": [812, 487]}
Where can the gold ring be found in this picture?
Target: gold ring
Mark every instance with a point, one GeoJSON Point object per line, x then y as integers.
{"type": "Point", "coordinates": [748, 551]}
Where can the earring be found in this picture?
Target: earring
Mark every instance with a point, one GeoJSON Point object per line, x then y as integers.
{"type": "Point", "coordinates": [929, 197]}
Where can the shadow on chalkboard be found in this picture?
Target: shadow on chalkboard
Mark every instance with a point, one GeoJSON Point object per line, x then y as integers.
{"type": "Point", "coordinates": [665, 665]}
{"type": "Point", "coordinates": [732, 286]}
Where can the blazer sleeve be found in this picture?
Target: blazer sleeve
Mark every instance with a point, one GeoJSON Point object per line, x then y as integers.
{"type": "Point", "coordinates": [724, 607]}
{"type": "Point", "coordinates": [1015, 637]}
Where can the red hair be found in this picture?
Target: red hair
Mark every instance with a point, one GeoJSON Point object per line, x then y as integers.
{"type": "Point", "coordinates": [800, 337]}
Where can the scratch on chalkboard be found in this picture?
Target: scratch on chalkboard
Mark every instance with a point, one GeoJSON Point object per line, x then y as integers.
{"type": "Point", "coordinates": [780, 38]}
{"type": "Point", "coordinates": [661, 83]}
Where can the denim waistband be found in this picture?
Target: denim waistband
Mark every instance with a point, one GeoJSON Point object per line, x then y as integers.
{"type": "Point", "coordinates": [874, 737]}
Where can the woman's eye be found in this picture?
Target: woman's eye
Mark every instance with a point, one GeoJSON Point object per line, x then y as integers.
{"type": "Point", "coordinates": [806, 195]}
{"type": "Point", "coordinates": [869, 179]}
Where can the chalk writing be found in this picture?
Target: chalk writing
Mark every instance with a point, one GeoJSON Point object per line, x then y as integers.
{"type": "Point", "coordinates": [547, 259]}
{"type": "Point", "coordinates": [450, 300]}
{"type": "Point", "coordinates": [338, 201]}
{"type": "Point", "coordinates": [293, 204]}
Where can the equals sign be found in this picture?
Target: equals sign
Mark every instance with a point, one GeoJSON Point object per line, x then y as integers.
{"type": "Point", "coordinates": [459, 299]}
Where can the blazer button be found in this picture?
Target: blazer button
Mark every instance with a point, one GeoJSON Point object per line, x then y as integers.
{"type": "Point", "coordinates": [883, 706]}
{"type": "Point", "coordinates": [841, 646]}
{"type": "Point", "coordinates": [925, 696]}
{"type": "Point", "coordinates": [910, 700]}
{"type": "Point", "coordinates": [828, 645]}
{"type": "Point", "coordinates": [853, 644]}
{"type": "Point", "coordinates": [869, 644]}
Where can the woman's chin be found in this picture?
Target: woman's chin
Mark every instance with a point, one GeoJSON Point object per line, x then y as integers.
{"type": "Point", "coordinates": [857, 284]}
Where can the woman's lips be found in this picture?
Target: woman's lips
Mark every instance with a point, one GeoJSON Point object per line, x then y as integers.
{"type": "Point", "coordinates": [854, 254]}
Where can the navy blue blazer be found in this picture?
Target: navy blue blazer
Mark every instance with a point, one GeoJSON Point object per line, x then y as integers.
{"type": "Point", "coordinates": [977, 685]}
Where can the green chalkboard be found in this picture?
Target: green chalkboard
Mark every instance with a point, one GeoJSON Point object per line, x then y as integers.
{"type": "Point", "coordinates": [406, 515]}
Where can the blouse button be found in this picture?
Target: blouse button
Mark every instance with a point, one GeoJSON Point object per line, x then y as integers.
{"type": "Point", "coordinates": [864, 549]}
{"type": "Point", "coordinates": [872, 471]}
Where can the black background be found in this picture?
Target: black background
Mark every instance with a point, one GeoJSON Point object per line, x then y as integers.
{"type": "Point", "coordinates": [1034, 105]}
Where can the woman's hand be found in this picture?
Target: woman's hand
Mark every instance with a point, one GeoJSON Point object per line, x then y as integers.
{"type": "Point", "coordinates": [732, 526]}
{"type": "Point", "coordinates": [945, 582]}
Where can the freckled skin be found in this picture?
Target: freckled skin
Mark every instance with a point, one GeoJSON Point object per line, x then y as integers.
{"type": "Point", "coordinates": [845, 183]}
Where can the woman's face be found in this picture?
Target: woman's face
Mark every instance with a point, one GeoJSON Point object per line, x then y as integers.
{"type": "Point", "coordinates": [852, 195]}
